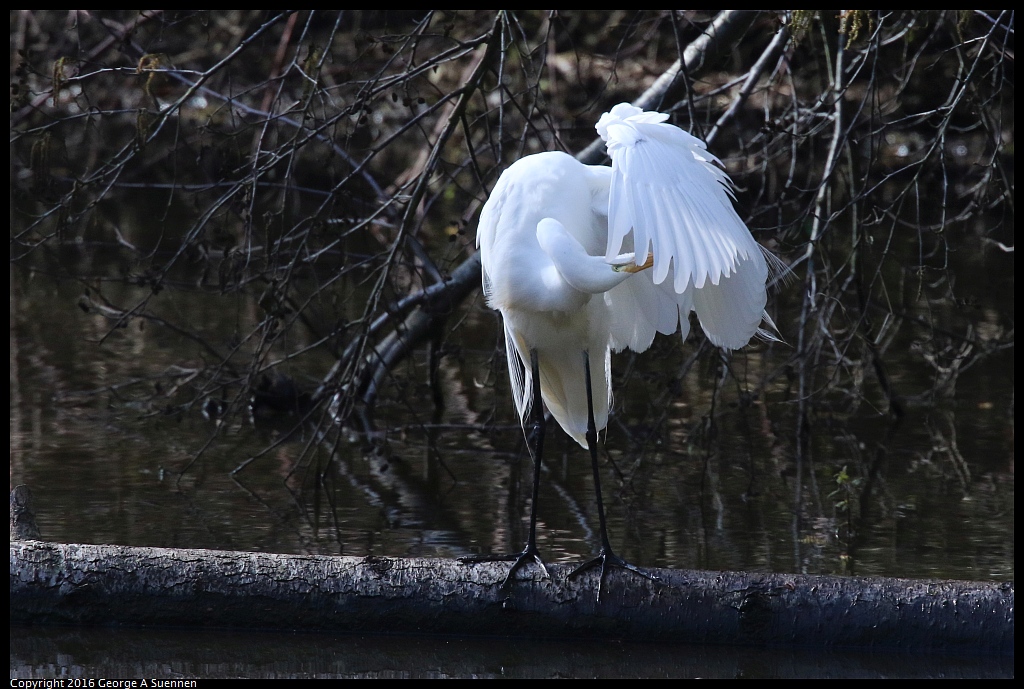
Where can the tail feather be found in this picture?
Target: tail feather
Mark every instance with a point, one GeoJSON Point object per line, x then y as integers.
{"type": "Point", "coordinates": [563, 388]}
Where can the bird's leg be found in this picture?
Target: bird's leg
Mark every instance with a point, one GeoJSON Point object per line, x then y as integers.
{"type": "Point", "coordinates": [539, 424]}
{"type": "Point", "coordinates": [537, 429]}
{"type": "Point", "coordinates": [605, 557]}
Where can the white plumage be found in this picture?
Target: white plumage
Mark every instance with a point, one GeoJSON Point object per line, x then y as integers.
{"type": "Point", "coordinates": [557, 241]}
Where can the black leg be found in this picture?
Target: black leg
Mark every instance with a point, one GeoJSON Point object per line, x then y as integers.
{"type": "Point", "coordinates": [537, 428]}
{"type": "Point", "coordinates": [529, 553]}
{"type": "Point", "coordinates": [605, 557]}
{"type": "Point", "coordinates": [539, 425]}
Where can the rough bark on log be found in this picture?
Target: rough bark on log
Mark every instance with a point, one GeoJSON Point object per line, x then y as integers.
{"type": "Point", "coordinates": [54, 583]}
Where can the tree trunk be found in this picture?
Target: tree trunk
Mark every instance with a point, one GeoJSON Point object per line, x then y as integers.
{"type": "Point", "coordinates": [53, 583]}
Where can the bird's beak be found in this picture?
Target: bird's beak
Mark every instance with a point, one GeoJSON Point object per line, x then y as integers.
{"type": "Point", "coordinates": [633, 267]}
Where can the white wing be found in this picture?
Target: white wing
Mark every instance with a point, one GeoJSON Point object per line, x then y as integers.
{"type": "Point", "coordinates": [666, 189]}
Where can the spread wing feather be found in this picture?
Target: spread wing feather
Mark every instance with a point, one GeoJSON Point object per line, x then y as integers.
{"type": "Point", "coordinates": [668, 192]}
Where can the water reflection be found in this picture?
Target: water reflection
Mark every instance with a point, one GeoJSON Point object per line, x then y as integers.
{"type": "Point", "coordinates": [210, 654]}
{"type": "Point", "coordinates": [699, 475]}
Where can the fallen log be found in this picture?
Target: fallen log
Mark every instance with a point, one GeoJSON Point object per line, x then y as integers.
{"type": "Point", "coordinates": [71, 584]}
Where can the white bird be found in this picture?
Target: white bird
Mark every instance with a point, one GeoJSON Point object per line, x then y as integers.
{"type": "Point", "coordinates": [559, 244]}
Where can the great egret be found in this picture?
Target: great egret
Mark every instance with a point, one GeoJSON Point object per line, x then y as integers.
{"type": "Point", "coordinates": [559, 244]}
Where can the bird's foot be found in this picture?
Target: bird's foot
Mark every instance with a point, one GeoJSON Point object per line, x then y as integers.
{"type": "Point", "coordinates": [606, 558]}
{"type": "Point", "coordinates": [528, 555]}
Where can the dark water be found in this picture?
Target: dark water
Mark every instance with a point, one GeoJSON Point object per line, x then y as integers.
{"type": "Point", "coordinates": [84, 654]}
{"type": "Point", "coordinates": [932, 498]}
